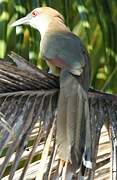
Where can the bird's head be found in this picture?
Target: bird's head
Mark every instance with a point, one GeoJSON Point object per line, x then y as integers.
{"type": "Point", "coordinates": [40, 18]}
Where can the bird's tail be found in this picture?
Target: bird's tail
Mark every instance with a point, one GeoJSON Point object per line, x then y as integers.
{"type": "Point", "coordinates": [73, 121]}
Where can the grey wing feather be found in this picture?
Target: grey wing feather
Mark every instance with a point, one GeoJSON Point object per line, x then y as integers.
{"type": "Point", "coordinates": [65, 46]}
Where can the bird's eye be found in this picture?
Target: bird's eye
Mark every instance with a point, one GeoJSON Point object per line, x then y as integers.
{"type": "Point", "coordinates": [34, 13]}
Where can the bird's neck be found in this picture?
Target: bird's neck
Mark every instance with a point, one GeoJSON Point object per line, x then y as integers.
{"type": "Point", "coordinates": [55, 25]}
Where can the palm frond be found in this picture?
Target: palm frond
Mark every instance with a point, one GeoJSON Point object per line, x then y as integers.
{"type": "Point", "coordinates": [29, 96]}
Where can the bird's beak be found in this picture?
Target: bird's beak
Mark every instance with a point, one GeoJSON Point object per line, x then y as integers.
{"type": "Point", "coordinates": [24, 20]}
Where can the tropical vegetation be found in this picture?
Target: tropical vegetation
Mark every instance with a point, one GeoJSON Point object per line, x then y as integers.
{"type": "Point", "coordinates": [94, 21]}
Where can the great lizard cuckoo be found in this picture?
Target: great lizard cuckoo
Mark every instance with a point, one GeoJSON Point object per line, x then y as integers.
{"type": "Point", "coordinates": [64, 51]}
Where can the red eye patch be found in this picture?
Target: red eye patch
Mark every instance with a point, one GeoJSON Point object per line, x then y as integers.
{"type": "Point", "coordinates": [34, 13]}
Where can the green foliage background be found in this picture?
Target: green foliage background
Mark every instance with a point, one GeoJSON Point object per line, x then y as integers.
{"type": "Point", "coordinates": [94, 21]}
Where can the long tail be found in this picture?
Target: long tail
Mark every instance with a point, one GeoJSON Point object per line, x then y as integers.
{"type": "Point", "coordinates": [73, 120]}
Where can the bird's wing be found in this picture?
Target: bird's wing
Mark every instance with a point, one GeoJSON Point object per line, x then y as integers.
{"type": "Point", "coordinates": [64, 50]}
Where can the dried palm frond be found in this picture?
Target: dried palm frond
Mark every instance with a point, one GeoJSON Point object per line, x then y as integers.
{"type": "Point", "coordinates": [29, 96]}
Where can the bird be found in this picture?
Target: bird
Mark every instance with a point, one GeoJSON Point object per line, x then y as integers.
{"type": "Point", "coordinates": [65, 53]}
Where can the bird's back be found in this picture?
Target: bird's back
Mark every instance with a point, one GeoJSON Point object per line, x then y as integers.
{"type": "Point", "coordinates": [58, 44]}
{"type": "Point", "coordinates": [66, 47]}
